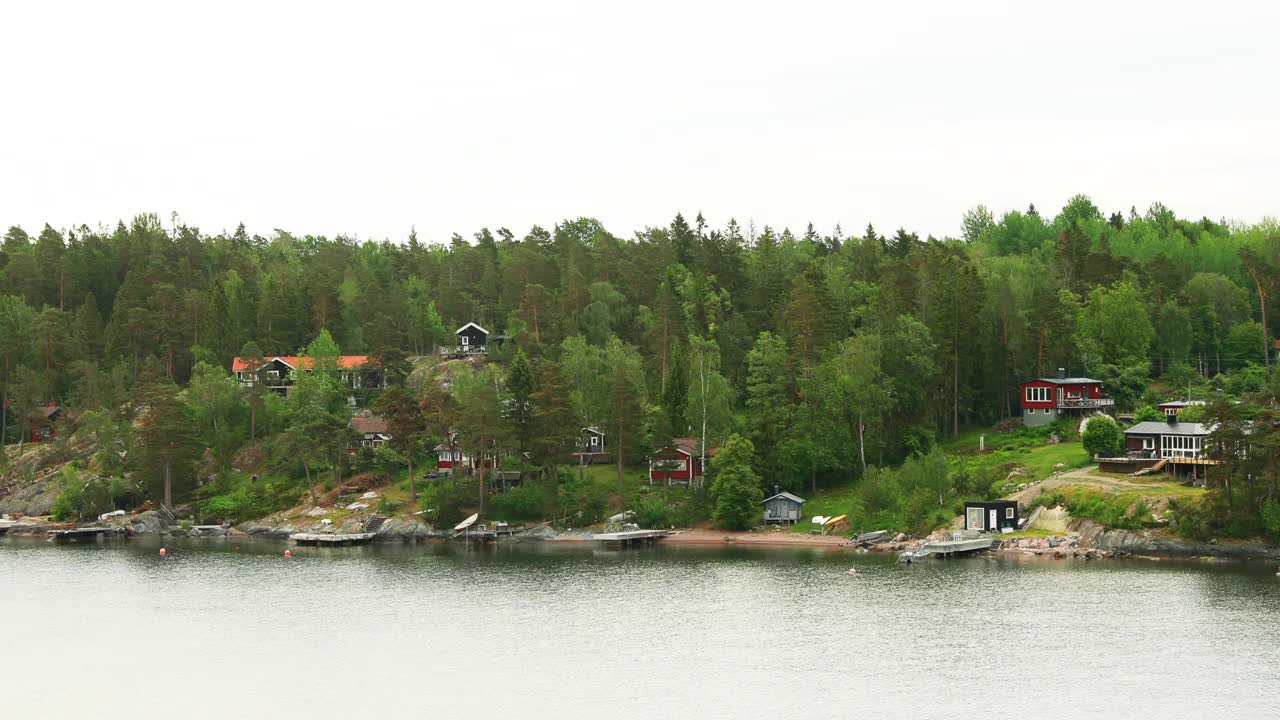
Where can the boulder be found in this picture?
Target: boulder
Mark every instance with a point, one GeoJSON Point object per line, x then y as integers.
{"type": "Point", "coordinates": [145, 523]}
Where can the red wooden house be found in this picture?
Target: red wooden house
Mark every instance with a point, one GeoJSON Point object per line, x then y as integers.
{"type": "Point", "coordinates": [43, 421]}
{"type": "Point", "coordinates": [679, 463]}
{"type": "Point", "coordinates": [451, 459]}
{"type": "Point", "coordinates": [1173, 407]}
{"type": "Point", "coordinates": [1045, 400]}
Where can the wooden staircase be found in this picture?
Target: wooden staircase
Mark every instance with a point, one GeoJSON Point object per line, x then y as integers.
{"type": "Point", "coordinates": [374, 524]}
{"type": "Point", "coordinates": [1153, 469]}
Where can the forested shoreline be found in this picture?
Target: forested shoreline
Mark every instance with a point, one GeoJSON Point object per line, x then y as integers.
{"type": "Point", "coordinates": [832, 354]}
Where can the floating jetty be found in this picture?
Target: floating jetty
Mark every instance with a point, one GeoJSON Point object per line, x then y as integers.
{"type": "Point", "coordinates": [947, 548]}
{"type": "Point", "coordinates": [629, 538]}
{"type": "Point", "coordinates": [70, 534]}
{"type": "Point", "coordinates": [332, 539]}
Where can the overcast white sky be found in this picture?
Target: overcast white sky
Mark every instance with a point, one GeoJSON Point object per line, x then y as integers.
{"type": "Point", "coordinates": [367, 118]}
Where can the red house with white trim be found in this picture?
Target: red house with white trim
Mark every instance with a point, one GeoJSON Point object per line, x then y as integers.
{"type": "Point", "coordinates": [680, 463]}
{"type": "Point", "coordinates": [1045, 400]}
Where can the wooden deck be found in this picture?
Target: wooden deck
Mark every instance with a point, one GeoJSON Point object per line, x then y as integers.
{"type": "Point", "coordinates": [78, 533]}
{"type": "Point", "coordinates": [332, 539]}
{"type": "Point", "coordinates": [627, 538]}
{"type": "Point", "coordinates": [947, 548]}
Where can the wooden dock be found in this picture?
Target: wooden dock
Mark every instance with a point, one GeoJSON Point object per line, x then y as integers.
{"type": "Point", "coordinates": [628, 538]}
{"type": "Point", "coordinates": [332, 539]}
{"type": "Point", "coordinates": [947, 548]}
{"type": "Point", "coordinates": [70, 534]}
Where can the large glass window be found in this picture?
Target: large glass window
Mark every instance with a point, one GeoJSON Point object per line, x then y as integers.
{"type": "Point", "coordinates": [1038, 394]}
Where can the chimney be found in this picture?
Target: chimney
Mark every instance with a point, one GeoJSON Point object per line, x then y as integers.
{"type": "Point", "coordinates": [776, 490]}
{"type": "Point", "coordinates": [1171, 418]}
{"type": "Point", "coordinates": [1062, 373]}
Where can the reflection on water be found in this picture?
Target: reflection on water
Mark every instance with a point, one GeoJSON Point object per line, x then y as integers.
{"type": "Point", "coordinates": [113, 630]}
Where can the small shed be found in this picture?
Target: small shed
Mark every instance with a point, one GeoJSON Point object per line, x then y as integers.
{"type": "Point", "coordinates": [472, 338]}
{"type": "Point", "coordinates": [783, 508]}
{"type": "Point", "coordinates": [991, 516]}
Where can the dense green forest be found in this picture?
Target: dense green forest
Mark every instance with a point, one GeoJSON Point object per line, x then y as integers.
{"type": "Point", "coordinates": [832, 354]}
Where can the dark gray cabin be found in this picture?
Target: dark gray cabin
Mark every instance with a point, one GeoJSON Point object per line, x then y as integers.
{"type": "Point", "coordinates": [472, 338]}
{"type": "Point", "coordinates": [784, 508]}
{"type": "Point", "coordinates": [991, 516]}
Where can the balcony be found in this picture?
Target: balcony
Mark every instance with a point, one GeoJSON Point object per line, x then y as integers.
{"type": "Point", "coordinates": [1082, 403]}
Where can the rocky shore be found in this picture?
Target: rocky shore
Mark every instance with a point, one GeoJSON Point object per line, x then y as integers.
{"type": "Point", "coordinates": [1083, 539]}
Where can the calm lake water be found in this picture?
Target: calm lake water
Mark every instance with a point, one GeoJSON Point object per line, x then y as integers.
{"type": "Point", "coordinates": [111, 630]}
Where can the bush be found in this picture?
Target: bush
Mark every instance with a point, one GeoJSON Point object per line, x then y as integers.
{"type": "Point", "coordinates": [220, 507]}
{"type": "Point", "coordinates": [1148, 413]}
{"type": "Point", "coordinates": [519, 503]}
{"type": "Point", "coordinates": [653, 513]}
{"type": "Point", "coordinates": [388, 460]}
{"type": "Point", "coordinates": [1103, 437]}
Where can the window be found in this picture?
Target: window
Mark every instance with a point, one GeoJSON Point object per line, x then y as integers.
{"type": "Point", "coordinates": [1148, 443]}
{"type": "Point", "coordinates": [1038, 394]}
{"type": "Point", "coordinates": [1008, 513]}
{"type": "Point", "coordinates": [465, 341]}
{"type": "Point", "coordinates": [1047, 411]}
{"type": "Point", "coordinates": [1171, 411]}
{"type": "Point", "coordinates": [594, 441]}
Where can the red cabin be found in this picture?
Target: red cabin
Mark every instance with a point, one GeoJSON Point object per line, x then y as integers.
{"type": "Point", "coordinates": [1045, 400]}
{"type": "Point", "coordinates": [680, 463]}
{"type": "Point", "coordinates": [1173, 407]}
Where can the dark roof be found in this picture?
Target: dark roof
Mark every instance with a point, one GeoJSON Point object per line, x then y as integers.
{"type": "Point", "coordinates": [788, 496]}
{"type": "Point", "coordinates": [1068, 381]}
{"type": "Point", "coordinates": [593, 431]}
{"type": "Point", "coordinates": [1153, 427]}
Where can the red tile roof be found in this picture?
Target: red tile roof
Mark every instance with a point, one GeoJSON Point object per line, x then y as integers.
{"type": "Point", "coordinates": [372, 424]}
{"type": "Point", "coordinates": [302, 362]}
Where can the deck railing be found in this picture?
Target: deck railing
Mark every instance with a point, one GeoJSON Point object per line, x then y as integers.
{"type": "Point", "coordinates": [1085, 402]}
{"type": "Point", "coordinates": [463, 350]}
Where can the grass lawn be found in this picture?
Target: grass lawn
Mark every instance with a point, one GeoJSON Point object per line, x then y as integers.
{"type": "Point", "coordinates": [1149, 487]}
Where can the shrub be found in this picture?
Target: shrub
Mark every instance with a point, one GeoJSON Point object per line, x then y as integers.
{"type": "Point", "coordinates": [1103, 437]}
{"type": "Point", "coordinates": [1148, 413]}
{"type": "Point", "coordinates": [653, 512]}
{"type": "Point", "coordinates": [518, 503]}
{"type": "Point", "coordinates": [221, 507]}
{"type": "Point", "coordinates": [388, 460]}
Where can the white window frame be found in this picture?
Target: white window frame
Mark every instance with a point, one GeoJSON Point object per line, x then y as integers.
{"type": "Point", "coordinates": [1039, 394]}
{"type": "Point", "coordinates": [1008, 513]}
{"type": "Point", "coordinates": [595, 441]}
{"type": "Point", "coordinates": [465, 340]}
{"type": "Point", "coordinates": [1148, 443]}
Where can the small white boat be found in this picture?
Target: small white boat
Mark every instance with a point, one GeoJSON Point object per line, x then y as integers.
{"type": "Point", "coordinates": [466, 523]}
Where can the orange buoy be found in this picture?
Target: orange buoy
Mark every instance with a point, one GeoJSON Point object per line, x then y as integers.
{"type": "Point", "coordinates": [288, 553]}
{"type": "Point", "coordinates": [163, 552]}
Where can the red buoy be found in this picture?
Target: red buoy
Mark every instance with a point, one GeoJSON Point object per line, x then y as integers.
{"type": "Point", "coordinates": [288, 553]}
{"type": "Point", "coordinates": [163, 552]}
{"type": "Point", "coordinates": [853, 571]}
